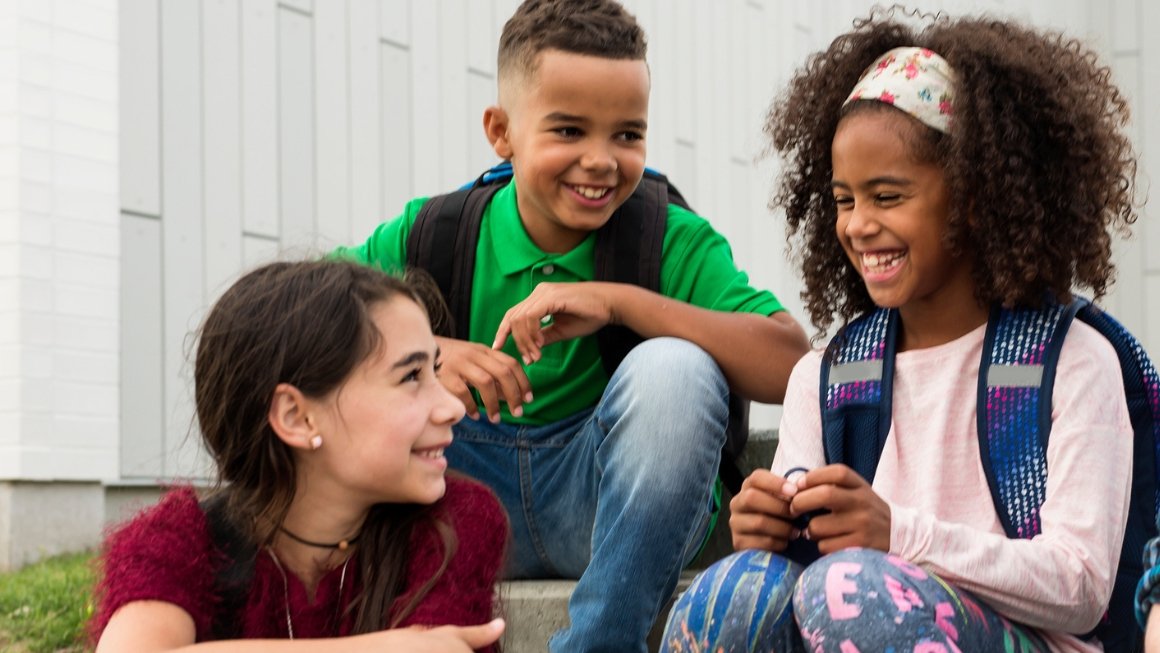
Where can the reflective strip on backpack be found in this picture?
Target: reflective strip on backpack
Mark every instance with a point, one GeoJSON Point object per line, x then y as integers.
{"type": "Point", "coordinates": [857, 371]}
{"type": "Point", "coordinates": [855, 374]}
{"type": "Point", "coordinates": [1015, 376]}
{"type": "Point", "coordinates": [1015, 413]}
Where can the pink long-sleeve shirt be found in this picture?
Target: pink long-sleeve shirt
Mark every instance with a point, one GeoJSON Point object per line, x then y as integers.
{"type": "Point", "coordinates": [942, 516]}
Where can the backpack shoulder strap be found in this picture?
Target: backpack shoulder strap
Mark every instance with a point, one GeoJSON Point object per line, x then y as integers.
{"type": "Point", "coordinates": [628, 250]}
{"type": "Point", "coordinates": [1013, 411]}
{"type": "Point", "coordinates": [855, 387]}
{"type": "Point", "coordinates": [1142, 389]}
{"type": "Point", "coordinates": [233, 576]}
{"type": "Point", "coordinates": [443, 242]}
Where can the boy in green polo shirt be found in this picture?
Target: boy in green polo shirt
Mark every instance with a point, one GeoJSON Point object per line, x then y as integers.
{"type": "Point", "coordinates": [608, 480]}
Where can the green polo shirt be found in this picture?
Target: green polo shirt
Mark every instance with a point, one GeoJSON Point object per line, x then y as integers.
{"type": "Point", "coordinates": [696, 267]}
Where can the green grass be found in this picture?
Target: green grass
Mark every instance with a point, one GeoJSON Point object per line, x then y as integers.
{"type": "Point", "coordinates": [44, 607]}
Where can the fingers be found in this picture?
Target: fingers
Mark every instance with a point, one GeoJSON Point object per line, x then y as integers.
{"type": "Point", "coordinates": [832, 497]}
{"type": "Point", "coordinates": [760, 513]}
{"type": "Point", "coordinates": [480, 636]}
{"type": "Point", "coordinates": [524, 322]}
{"type": "Point", "coordinates": [767, 481]}
{"type": "Point", "coordinates": [756, 531]}
{"type": "Point", "coordinates": [555, 312]}
{"type": "Point", "coordinates": [497, 376]}
{"type": "Point", "coordinates": [457, 387]}
{"type": "Point", "coordinates": [493, 374]}
{"type": "Point", "coordinates": [839, 475]}
{"type": "Point", "coordinates": [856, 515]}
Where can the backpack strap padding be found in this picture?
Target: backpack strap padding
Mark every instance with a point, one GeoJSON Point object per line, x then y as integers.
{"type": "Point", "coordinates": [628, 250]}
{"type": "Point", "coordinates": [1142, 389]}
{"type": "Point", "coordinates": [856, 380]}
{"type": "Point", "coordinates": [1013, 410]}
{"type": "Point", "coordinates": [451, 218]}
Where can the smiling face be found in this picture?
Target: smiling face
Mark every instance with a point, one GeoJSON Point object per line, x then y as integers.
{"type": "Point", "coordinates": [892, 217]}
{"type": "Point", "coordinates": [575, 133]}
{"type": "Point", "coordinates": [385, 428]}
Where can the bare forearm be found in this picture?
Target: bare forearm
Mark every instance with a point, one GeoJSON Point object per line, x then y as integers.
{"type": "Point", "coordinates": [755, 352]}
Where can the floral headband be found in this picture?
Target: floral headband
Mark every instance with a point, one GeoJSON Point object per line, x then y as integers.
{"type": "Point", "coordinates": [916, 80]}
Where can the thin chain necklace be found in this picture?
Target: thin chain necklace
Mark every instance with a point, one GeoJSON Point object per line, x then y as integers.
{"type": "Point", "coordinates": [286, 591]}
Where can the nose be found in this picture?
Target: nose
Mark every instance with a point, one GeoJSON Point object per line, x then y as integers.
{"type": "Point", "coordinates": [448, 409]}
{"type": "Point", "coordinates": [858, 222]}
{"type": "Point", "coordinates": [598, 158]}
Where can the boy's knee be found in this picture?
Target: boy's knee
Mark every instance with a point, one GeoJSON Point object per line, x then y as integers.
{"type": "Point", "coordinates": [660, 354]}
{"type": "Point", "coordinates": [669, 403]}
{"type": "Point", "coordinates": [672, 368]}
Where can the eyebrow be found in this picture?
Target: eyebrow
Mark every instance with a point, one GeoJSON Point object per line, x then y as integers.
{"type": "Point", "coordinates": [876, 181]}
{"type": "Point", "coordinates": [560, 116]}
{"type": "Point", "coordinates": [413, 358]}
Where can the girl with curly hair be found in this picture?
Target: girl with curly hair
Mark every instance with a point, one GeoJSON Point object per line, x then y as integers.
{"type": "Point", "coordinates": [941, 169]}
{"type": "Point", "coordinates": [335, 527]}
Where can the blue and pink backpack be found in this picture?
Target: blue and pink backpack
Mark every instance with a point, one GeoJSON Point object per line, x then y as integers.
{"type": "Point", "coordinates": [1020, 354]}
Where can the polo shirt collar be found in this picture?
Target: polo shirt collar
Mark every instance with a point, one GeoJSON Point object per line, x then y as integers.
{"type": "Point", "coordinates": [515, 252]}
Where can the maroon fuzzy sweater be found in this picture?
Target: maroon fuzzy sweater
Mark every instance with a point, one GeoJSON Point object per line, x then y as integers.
{"type": "Point", "coordinates": [166, 554]}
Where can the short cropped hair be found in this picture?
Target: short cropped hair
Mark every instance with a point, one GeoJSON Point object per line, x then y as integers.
{"type": "Point", "coordinates": [599, 28]}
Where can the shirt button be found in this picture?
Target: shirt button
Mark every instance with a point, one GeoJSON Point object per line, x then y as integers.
{"type": "Point", "coordinates": [548, 269]}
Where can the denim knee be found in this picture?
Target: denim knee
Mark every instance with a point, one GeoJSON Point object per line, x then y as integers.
{"type": "Point", "coordinates": [671, 379]}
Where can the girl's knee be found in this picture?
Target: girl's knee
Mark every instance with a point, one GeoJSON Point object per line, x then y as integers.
{"type": "Point", "coordinates": [863, 594]}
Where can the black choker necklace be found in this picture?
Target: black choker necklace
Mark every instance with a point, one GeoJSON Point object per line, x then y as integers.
{"type": "Point", "coordinates": [341, 545]}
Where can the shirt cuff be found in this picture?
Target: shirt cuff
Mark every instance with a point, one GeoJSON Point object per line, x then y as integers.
{"type": "Point", "coordinates": [904, 542]}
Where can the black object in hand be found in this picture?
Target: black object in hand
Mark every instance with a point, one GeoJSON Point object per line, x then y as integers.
{"type": "Point", "coordinates": [801, 521]}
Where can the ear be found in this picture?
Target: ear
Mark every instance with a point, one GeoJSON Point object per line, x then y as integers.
{"type": "Point", "coordinates": [495, 126]}
{"type": "Point", "coordinates": [290, 417]}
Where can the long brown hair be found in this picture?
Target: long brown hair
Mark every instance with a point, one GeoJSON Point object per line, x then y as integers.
{"type": "Point", "coordinates": [307, 324]}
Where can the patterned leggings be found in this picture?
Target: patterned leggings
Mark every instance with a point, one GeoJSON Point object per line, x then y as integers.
{"type": "Point", "coordinates": [853, 601]}
{"type": "Point", "coordinates": [864, 600]}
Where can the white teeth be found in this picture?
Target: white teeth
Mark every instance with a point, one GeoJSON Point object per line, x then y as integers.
{"type": "Point", "coordinates": [433, 454]}
{"type": "Point", "coordinates": [591, 192]}
{"type": "Point", "coordinates": [882, 262]}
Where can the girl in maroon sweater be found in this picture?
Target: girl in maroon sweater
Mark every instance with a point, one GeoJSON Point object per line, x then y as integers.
{"type": "Point", "coordinates": [317, 395]}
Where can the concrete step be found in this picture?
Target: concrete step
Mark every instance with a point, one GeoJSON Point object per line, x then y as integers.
{"type": "Point", "coordinates": [535, 609]}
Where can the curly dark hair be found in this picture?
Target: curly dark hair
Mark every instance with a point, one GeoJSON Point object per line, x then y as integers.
{"type": "Point", "coordinates": [600, 28]}
{"type": "Point", "coordinates": [1039, 170]}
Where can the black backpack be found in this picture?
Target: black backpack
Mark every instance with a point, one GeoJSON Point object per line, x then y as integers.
{"type": "Point", "coordinates": [443, 242]}
{"type": "Point", "coordinates": [1020, 353]}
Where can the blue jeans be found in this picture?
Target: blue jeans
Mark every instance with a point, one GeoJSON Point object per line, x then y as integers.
{"type": "Point", "coordinates": [618, 496]}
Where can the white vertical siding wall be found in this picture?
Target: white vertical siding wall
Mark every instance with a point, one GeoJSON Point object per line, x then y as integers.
{"type": "Point", "coordinates": [250, 128]}
{"type": "Point", "coordinates": [59, 247]}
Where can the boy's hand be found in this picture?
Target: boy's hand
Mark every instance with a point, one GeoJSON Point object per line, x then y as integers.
{"type": "Point", "coordinates": [555, 312]}
{"type": "Point", "coordinates": [760, 513]}
{"type": "Point", "coordinates": [493, 374]}
{"type": "Point", "coordinates": [858, 516]}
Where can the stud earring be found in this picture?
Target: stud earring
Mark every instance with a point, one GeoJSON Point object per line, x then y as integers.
{"type": "Point", "coordinates": [316, 442]}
